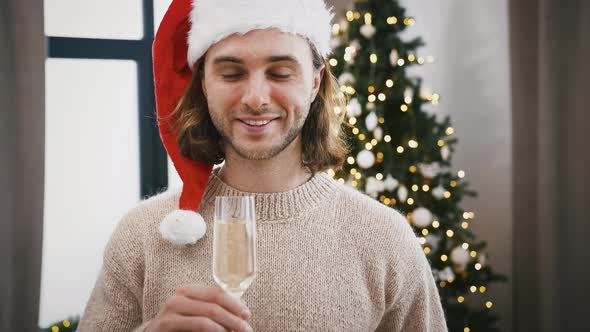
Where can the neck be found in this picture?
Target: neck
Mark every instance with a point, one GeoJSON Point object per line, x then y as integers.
{"type": "Point", "coordinates": [280, 173]}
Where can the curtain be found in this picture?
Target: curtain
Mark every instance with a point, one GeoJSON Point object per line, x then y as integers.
{"type": "Point", "coordinates": [550, 50]}
{"type": "Point", "coordinates": [22, 131]}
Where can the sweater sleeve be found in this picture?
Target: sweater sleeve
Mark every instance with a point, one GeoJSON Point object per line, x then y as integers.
{"type": "Point", "coordinates": [414, 303]}
{"type": "Point", "coordinates": [115, 303]}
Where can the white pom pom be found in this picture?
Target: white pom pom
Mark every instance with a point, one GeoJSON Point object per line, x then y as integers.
{"type": "Point", "coordinates": [402, 193]}
{"type": "Point", "coordinates": [371, 121]}
{"type": "Point", "coordinates": [422, 217]}
{"type": "Point", "coordinates": [446, 274]}
{"type": "Point", "coordinates": [368, 30]}
{"type": "Point", "coordinates": [346, 78]}
{"type": "Point", "coordinates": [335, 42]}
{"type": "Point", "coordinates": [393, 57]}
{"type": "Point", "coordinates": [373, 186]}
{"type": "Point", "coordinates": [433, 241]}
{"type": "Point", "coordinates": [438, 192]}
{"type": "Point", "coordinates": [390, 183]}
{"type": "Point", "coordinates": [445, 152]}
{"type": "Point", "coordinates": [482, 258]}
{"type": "Point", "coordinates": [183, 227]}
{"type": "Point", "coordinates": [460, 256]}
{"type": "Point", "coordinates": [378, 133]}
{"type": "Point", "coordinates": [353, 108]}
{"type": "Point", "coordinates": [356, 44]}
{"type": "Point", "coordinates": [343, 25]}
{"type": "Point", "coordinates": [365, 159]}
{"type": "Point", "coordinates": [429, 170]}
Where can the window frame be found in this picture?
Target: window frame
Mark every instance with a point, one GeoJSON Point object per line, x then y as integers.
{"type": "Point", "coordinates": [153, 159]}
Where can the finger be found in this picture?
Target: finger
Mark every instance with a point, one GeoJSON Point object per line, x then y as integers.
{"type": "Point", "coordinates": [189, 307]}
{"type": "Point", "coordinates": [215, 295]}
{"type": "Point", "coordinates": [191, 324]}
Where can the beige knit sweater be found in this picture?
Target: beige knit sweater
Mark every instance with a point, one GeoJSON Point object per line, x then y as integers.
{"type": "Point", "coordinates": [329, 259]}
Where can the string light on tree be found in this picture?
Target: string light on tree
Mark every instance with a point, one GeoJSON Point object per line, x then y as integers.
{"type": "Point", "coordinates": [408, 95]}
{"type": "Point", "coordinates": [409, 21]}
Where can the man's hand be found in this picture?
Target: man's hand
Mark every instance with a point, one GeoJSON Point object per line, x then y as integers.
{"type": "Point", "coordinates": [194, 308]}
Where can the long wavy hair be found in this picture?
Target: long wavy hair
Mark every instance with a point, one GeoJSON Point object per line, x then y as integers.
{"type": "Point", "coordinates": [323, 140]}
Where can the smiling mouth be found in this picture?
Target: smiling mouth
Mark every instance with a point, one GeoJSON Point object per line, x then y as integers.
{"type": "Point", "coordinates": [258, 123]}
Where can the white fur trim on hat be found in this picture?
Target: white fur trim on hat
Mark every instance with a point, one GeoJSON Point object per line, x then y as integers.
{"type": "Point", "coordinates": [183, 227]}
{"type": "Point", "coordinates": [213, 20]}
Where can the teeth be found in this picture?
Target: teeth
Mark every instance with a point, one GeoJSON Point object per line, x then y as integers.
{"type": "Point", "coordinates": [257, 123]}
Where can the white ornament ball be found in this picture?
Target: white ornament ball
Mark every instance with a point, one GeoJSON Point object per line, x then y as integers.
{"type": "Point", "coordinates": [422, 217]}
{"type": "Point", "coordinates": [438, 192]}
{"type": "Point", "coordinates": [353, 109]}
{"type": "Point", "coordinates": [445, 152]}
{"type": "Point", "coordinates": [429, 170]}
{"type": "Point", "coordinates": [356, 44]}
{"type": "Point", "coordinates": [482, 259]}
{"type": "Point", "coordinates": [371, 121]}
{"type": "Point", "coordinates": [343, 25]}
{"type": "Point", "coordinates": [433, 241]}
{"type": "Point", "coordinates": [365, 159]}
{"type": "Point", "coordinates": [393, 57]}
{"type": "Point", "coordinates": [373, 186]}
{"type": "Point", "coordinates": [346, 78]}
{"type": "Point", "coordinates": [368, 30]}
{"type": "Point", "coordinates": [183, 227]}
{"type": "Point", "coordinates": [402, 193]}
{"type": "Point", "coordinates": [335, 42]}
{"type": "Point", "coordinates": [460, 256]}
{"type": "Point", "coordinates": [446, 274]}
{"type": "Point", "coordinates": [390, 183]}
{"type": "Point", "coordinates": [378, 133]}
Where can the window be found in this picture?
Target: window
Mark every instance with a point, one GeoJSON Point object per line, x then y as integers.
{"type": "Point", "coordinates": [103, 149]}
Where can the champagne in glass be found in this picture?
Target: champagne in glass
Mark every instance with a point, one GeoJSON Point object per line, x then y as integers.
{"type": "Point", "coordinates": [234, 243]}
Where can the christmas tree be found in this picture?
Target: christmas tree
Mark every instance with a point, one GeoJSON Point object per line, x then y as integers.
{"type": "Point", "coordinates": [401, 154]}
{"type": "Point", "coordinates": [67, 325]}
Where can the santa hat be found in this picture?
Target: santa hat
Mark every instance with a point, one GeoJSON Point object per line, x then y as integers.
{"type": "Point", "coordinates": [187, 30]}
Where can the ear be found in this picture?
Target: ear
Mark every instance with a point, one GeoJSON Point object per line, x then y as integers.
{"type": "Point", "coordinates": [317, 81]}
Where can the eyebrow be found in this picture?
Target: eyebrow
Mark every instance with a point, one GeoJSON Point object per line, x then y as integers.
{"type": "Point", "coordinates": [270, 59]}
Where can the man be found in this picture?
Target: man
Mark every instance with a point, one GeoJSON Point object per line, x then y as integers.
{"type": "Point", "coordinates": [254, 91]}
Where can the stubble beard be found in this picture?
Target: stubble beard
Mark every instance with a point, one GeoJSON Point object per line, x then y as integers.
{"type": "Point", "coordinates": [256, 153]}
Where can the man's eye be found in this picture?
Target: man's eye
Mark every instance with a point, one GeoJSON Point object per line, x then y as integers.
{"type": "Point", "coordinates": [231, 76]}
{"type": "Point", "coordinates": [282, 77]}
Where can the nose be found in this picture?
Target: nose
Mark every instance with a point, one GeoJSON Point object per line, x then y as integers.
{"type": "Point", "coordinates": [257, 93]}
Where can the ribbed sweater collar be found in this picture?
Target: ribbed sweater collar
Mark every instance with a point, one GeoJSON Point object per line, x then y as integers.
{"type": "Point", "coordinates": [278, 206]}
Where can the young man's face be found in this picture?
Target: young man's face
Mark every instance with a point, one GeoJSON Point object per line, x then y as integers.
{"type": "Point", "coordinates": [259, 87]}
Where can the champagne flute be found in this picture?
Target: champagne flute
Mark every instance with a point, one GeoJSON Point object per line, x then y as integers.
{"type": "Point", "coordinates": [234, 243]}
